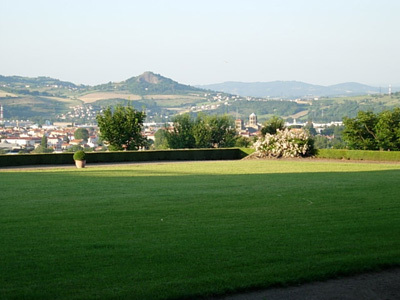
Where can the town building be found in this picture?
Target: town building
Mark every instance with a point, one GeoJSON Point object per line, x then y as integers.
{"type": "Point", "coordinates": [251, 128]}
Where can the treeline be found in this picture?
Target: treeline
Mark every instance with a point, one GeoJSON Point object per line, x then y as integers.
{"type": "Point", "coordinates": [330, 138]}
{"type": "Point", "coordinates": [323, 111]}
{"type": "Point", "coordinates": [366, 131]}
{"type": "Point", "coordinates": [261, 108]}
{"type": "Point", "coordinates": [199, 132]}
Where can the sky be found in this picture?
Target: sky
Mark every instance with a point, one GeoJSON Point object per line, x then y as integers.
{"type": "Point", "coordinates": [202, 41]}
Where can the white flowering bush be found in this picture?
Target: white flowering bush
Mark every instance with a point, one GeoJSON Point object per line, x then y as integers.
{"type": "Point", "coordinates": [285, 143]}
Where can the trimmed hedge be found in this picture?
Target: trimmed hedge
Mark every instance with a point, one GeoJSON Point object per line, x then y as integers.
{"type": "Point", "coordinates": [123, 156]}
{"type": "Point", "coordinates": [36, 159]}
{"type": "Point", "coordinates": [358, 154]}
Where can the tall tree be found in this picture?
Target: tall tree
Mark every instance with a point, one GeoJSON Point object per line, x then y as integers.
{"type": "Point", "coordinates": [309, 127]}
{"type": "Point", "coordinates": [371, 131]}
{"type": "Point", "coordinates": [359, 132]}
{"type": "Point", "coordinates": [272, 125]}
{"type": "Point", "coordinates": [42, 148]}
{"type": "Point", "coordinates": [202, 132]}
{"type": "Point", "coordinates": [160, 139]}
{"type": "Point", "coordinates": [387, 130]}
{"type": "Point", "coordinates": [223, 134]}
{"type": "Point", "coordinates": [121, 127]}
{"type": "Point", "coordinates": [43, 142]}
{"type": "Point", "coordinates": [81, 134]}
{"type": "Point", "coordinates": [182, 135]}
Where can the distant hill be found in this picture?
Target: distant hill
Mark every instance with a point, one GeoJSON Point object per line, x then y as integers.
{"type": "Point", "coordinates": [27, 82]}
{"type": "Point", "coordinates": [45, 98]}
{"type": "Point", "coordinates": [48, 98]}
{"type": "Point", "coordinates": [149, 83]}
{"type": "Point", "coordinates": [290, 89]}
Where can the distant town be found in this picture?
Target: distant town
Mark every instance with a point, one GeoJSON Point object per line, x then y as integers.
{"type": "Point", "coordinates": [25, 136]}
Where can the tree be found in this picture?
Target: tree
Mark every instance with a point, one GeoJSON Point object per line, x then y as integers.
{"type": "Point", "coordinates": [182, 135]}
{"type": "Point", "coordinates": [333, 130]}
{"type": "Point", "coordinates": [81, 134]}
{"type": "Point", "coordinates": [359, 132]}
{"type": "Point", "coordinates": [321, 142]}
{"type": "Point", "coordinates": [223, 134]}
{"type": "Point", "coordinates": [42, 148]}
{"type": "Point", "coordinates": [310, 128]}
{"type": "Point", "coordinates": [160, 139]}
{"type": "Point", "coordinates": [387, 130]}
{"type": "Point", "coordinates": [202, 132]}
{"type": "Point", "coordinates": [75, 148]}
{"type": "Point", "coordinates": [369, 131]}
{"type": "Point", "coordinates": [242, 141]}
{"type": "Point", "coordinates": [43, 142]}
{"type": "Point", "coordinates": [122, 127]}
{"type": "Point", "coordinates": [271, 125]}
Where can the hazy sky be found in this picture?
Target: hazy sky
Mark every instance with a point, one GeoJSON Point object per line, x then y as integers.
{"type": "Point", "coordinates": [202, 41]}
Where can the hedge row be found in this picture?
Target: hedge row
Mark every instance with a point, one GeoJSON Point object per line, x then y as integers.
{"type": "Point", "coordinates": [358, 154]}
{"type": "Point", "coordinates": [123, 156]}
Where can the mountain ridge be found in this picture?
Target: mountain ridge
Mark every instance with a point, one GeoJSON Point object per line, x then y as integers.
{"type": "Point", "coordinates": [290, 89]}
{"type": "Point", "coordinates": [149, 83]}
{"type": "Point", "coordinates": [45, 98]}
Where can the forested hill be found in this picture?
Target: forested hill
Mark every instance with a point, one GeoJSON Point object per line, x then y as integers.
{"type": "Point", "coordinates": [149, 83]}
{"type": "Point", "coordinates": [291, 89]}
{"type": "Point", "coordinates": [39, 86]}
{"type": "Point", "coordinates": [45, 98]}
{"type": "Point", "coordinates": [53, 99]}
{"type": "Point", "coordinates": [28, 82]}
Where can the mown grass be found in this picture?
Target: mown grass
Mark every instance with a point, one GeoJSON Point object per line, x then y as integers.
{"type": "Point", "coordinates": [359, 154]}
{"type": "Point", "coordinates": [162, 231]}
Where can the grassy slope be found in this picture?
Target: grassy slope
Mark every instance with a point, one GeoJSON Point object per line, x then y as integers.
{"type": "Point", "coordinates": [178, 230]}
{"type": "Point", "coordinates": [27, 106]}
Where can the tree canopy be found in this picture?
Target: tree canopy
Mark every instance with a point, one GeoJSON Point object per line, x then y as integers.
{"type": "Point", "coordinates": [370, 131]}
{"type": "Point", "coordinates": [81, 134]}
{"type": "Point", "coordinates": [43, 142]}
{"type": "Point", "coordinates": [201, 132]}
{"type": "Point", "coordinates": [272, 125]}
{"type": "Point", "coordinates": [160, 139]}
{"type": "Point", "coordinates": [121, 127]}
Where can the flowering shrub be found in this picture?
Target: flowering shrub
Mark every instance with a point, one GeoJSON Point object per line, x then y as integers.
{"type": "Point", "coordinates": [285, 143]}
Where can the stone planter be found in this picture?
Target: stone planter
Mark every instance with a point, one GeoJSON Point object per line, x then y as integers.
{"type": "Point", "coordinates": [80, 163]}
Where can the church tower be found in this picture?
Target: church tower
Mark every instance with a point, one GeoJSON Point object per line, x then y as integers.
{"type": "Point", "coordinates": [239, 125]}
{"type": "Point", "coordinates": [253, 120]}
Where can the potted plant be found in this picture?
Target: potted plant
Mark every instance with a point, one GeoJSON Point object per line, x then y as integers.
{"type": "Point", "coordinates": [80, 159]}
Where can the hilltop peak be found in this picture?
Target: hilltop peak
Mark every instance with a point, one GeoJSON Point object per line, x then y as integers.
{"type": "Point", "coordinates": [149, 77]}
{"type": "Point", "coordinates": [152, 83]}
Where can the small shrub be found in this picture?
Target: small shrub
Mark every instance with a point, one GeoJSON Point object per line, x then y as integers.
{"type": "Point", "coordinates": [80, 155]}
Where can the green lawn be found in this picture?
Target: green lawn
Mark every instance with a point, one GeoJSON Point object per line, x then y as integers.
{"type": "Point", "coordinates": [161, 231]}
